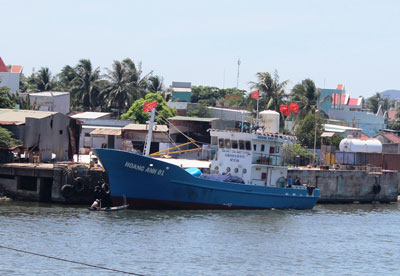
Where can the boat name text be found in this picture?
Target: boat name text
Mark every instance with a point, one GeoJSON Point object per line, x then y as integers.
{"type": "Point", "coordinates": [142, 168]}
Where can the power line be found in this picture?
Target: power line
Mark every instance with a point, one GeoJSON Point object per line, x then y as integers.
{"type": "Point", "coordinates": [73, 262]}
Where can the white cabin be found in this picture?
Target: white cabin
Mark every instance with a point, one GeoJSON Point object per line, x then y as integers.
{"type": "Point", "coordinates": [254, 157]}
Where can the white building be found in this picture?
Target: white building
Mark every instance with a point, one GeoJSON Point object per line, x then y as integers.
{"type": "Point", "coordinates": [51, 101]}
{"type": "Point", "coordinates": [9, 77]}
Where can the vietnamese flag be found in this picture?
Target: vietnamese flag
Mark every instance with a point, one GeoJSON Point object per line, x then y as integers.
{"type": "Point", "coordinates": [255, 94]}
{"type": "Point", "coordinates": [284, 109]}
{"type": "Point", "coordinates": [294, 107]}
{"type": "Point", "coordinates": [147, 107]}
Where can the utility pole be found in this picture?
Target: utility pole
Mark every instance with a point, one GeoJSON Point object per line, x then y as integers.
{"type": "Point", "coordinates": [237, 81]}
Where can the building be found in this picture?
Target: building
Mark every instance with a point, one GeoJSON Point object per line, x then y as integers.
{"type": "Point", "coordinates": [50, 135]}
{"type": "Point", "coordinates": [134, 137]}
{"type": "Point", "coordinates": [340, 106]}
{"type": "Point", "coordinates": [10, 76]}
{"type": "Point", "coordinates": [181, 91]}
{"type": "Point", "coordinates": [99, 131]}
{"type": "Point", "coordinates": [51, 101]}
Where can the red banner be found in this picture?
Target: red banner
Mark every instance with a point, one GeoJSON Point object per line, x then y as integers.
{"type": "Point", "coordinates": [284, 109]}
{"type": "Point", "coordinates": [255, 94]}
{"type": "Point", "coordinates": [147, 107]}
{"type": "Point", "coordinates": [294, 107]}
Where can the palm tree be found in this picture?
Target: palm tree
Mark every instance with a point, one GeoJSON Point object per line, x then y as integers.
{"type": "Point", "coordinates": [118, 93]}
{"type": "Point", "coordinates": [272, 91]}
{"type": "Point", "coordinates": [138, 84]}
{"type": "Point", "coordinates": [85, 85]}
{"type": "Point", "coordinates": [155, 84]}
{"type": "Point", "coordinates": [373, 102]}
{"type": "Point", "coordinates": [306, 95]}
{"type": "Point", "coordinates": [126, 85]}
{"type": "Point", "coordinates": [41, 81]}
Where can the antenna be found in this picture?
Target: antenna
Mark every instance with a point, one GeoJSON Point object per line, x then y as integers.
{"type": "Point", "coordinates": [237, 81]}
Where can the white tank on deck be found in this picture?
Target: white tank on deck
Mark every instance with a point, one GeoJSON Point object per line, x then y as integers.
{"type": "Point", "coordinates": [357, 145]}
{"type": "Point", "coordinates": [270, 119]}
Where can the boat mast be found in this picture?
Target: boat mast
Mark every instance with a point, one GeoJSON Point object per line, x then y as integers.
{"type": "Point", "coordinates": [147, 144]}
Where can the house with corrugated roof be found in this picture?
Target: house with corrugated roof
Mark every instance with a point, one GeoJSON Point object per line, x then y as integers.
{"type": "Point", "coordinates": [50, 135]}
{"type": "Point", "coordinates": [10, 76]}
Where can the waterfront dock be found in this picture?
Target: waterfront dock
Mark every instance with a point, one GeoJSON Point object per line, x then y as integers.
{"type": "Point", "coordinates": [63, 182]}
{"type": "Point", "coordinates": [350, 186]}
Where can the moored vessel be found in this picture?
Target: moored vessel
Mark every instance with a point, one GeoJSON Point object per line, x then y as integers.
{"type": "Point", "coordinates": [247, 172]}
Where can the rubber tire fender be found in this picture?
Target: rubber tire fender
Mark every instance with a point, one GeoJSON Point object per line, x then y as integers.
{"type": "Point", "coordinates": [67, 190]}
{"type": "Point", "coordinates": [106, 188]}
{"type": "Point", "coordinates": [79, 184]}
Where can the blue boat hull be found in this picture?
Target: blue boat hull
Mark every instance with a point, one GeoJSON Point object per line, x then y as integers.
{"type": "Point", "coordinates": [147, 183]}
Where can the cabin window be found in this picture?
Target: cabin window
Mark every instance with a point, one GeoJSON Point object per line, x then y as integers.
{"type": "Point", "coordinates": [241, 144]}
{"type": "Point", "coordinates": [277, 149]}
{"type": "Point", "coordinates": [248, 145]}
{"type": "Point", "coordinates": [221, 143]}
{"type": "Point", "coordinates": [272, 150]}
{"type": "Point", "coordinates": [262, 147]}
{"type": "Point", "coordinates": [227, 143]}
{"type": "Point", "coordinates": [254, 147]}
{"type": "Point", "coordinates": [214, 140]}
{"type": "Point", "coordinates": [234, 144]}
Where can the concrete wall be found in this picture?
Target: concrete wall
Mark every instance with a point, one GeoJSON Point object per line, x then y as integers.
{"type": "Point", "coordinates": [391, 148]}
{"type": "Point", "coordinates": [339, 186]}
{"type": "Point", "coordinates": [10, 80]}
{"type": "Point", "coordinates": [50, 134]}
{"type": "Point", "coordinates": [59, 103]}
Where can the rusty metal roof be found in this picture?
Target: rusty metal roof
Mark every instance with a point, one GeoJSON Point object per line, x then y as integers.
{"type": "Point", "coordinates": [17, 117]}
{"type": "Point", "coordinates": [145, 127]}
{"type": "Point", "coordinates": [106, 131]}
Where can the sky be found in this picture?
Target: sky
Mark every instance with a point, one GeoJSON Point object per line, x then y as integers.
{"type": "Point", "coordinates": [355, 43]}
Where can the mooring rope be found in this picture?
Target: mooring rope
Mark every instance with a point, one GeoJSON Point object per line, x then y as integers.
{"type": "Point", "coordinates": [73, 262]}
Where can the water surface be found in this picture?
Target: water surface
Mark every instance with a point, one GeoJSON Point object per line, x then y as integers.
{"type": "Point", "coordinates": [359, 239]}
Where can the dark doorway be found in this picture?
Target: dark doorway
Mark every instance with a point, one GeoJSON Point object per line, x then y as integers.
{"type": "Point", "coordinates": [111, 139]}
{"type": "Point", "coordinates": [46, 185]}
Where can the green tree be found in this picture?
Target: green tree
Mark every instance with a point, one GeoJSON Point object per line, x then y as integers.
{"type": "Point", "coordinates": [136, 113]}
{"type": "Point", "coordinates": [138, 84]}
{"type": "Point", "coordinates": [272, 91]}
{"type": "Point", "coordinates": [5, 101]}
{"type": "Point", "coordinates": [306, 95]}
{"type": "Point", "coordinates": [233, 98]}
{"type": "Point", "coordinates": [83, 82]}
{"type": "Point", "coordinates": [206, 95]}
{"type": "Point", "coordinates": [290, 152]}
{"type": "Point", "coordinates": [198, 110]}
{"type": "Point", "coordinates": [155, 84]}
{"type": "Point", "coordinates": [117, 94]}
{"type": "Point", "coordinates": [305, 130]}
{"type": "Point", "coordinates": [7, 140]}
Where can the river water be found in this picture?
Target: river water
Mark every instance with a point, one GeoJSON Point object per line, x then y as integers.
{"type": "Point", "coordinates": [328, 240]}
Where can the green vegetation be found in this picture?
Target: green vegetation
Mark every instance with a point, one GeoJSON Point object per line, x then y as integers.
{"type": "Point", "coordinates": [136, 113]}
{"type": "Point", "coordinates": [272, 91]}
{"type": "Point", "coordinates": [306, 95]}
{"type": "Point", "coordinates": [5, 101]}
{"type": "Point", "coordinates": [7, 140]}
{"type": "Point", "coordinates": [199, 110]}
{"type": "Point", "coordinates": [305, 131]}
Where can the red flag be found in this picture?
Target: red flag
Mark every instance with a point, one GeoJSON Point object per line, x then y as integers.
{"type": "Point", "coordinates": [294, 107]}
{"type": "Point", "coordinates": [284, 109]}
{"type": "Point", "coordinates": [255, 94]}
{"type": "Point", "coordinates": [147, 107]}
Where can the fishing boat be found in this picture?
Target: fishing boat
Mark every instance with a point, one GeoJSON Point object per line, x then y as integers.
{"type": "Point", "coordinates": [247, 172]}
